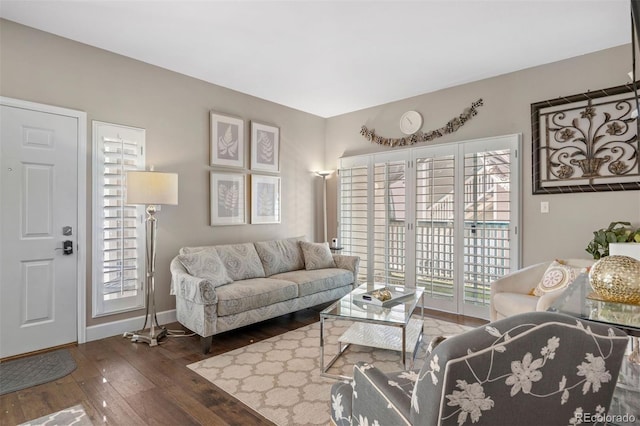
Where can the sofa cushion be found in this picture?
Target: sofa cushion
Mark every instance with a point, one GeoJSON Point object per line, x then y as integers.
{"type": "Point", "coordinates": [557, 276]}
{"type": "Point", "coordinates": [317, 255]}
{"type": "Point", "coordinates": [310, 282]}
{"type": "Point", "coordinates": [206, 265]}
{"type": "Point", "coordinates": [281, 255]}
{"type": "Point", "coordinates": [245, 295]}
{"type": "Point", "coordinates": [508, 304]}
{"type": "Point", "coordinates": [241, 261]}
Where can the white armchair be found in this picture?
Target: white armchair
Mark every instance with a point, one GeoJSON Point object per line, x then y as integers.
{"type": "Point", "coordinates": [511, 294]}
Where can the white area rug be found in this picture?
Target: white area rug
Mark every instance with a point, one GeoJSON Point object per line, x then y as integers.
{"type": "Point", "coordinates": [280, 377]}
{"type": "Point", "coordinates": [75, 416]}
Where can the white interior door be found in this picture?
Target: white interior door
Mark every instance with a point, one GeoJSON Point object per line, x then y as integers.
{"type": "Point", "coordinates": [39, 198]}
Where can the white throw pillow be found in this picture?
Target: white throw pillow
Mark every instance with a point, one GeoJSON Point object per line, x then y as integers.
{"type": "Point", "coordinates": [206, 264]}
{"type": "Point", "coordinates": [557, 276]}
{"type": "Point", "coordinates": [317, 255]}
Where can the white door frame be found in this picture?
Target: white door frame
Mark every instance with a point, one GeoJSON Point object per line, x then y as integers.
{"type": "Point", "coordinates": [81, 235]}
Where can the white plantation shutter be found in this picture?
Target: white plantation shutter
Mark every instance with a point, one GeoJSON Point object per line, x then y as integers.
{"type": "Point", "coordinates": [444, 218]}
{"type": "Point", "coordinates": [487, 216]}
{"type": "Point", "coordinates": [118, 229]}
{"type": "Point", "coordinates": [435, 230]}
{"type": "Point", "coordinates": [353, 217]}
{"type": "Point", "coordinates": [389, 214]}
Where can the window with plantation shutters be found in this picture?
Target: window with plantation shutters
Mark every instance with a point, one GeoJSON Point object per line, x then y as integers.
{"type": "Point", "coordinates": [443, 217]}
{"type": "Point", "coordinates": [118, 229]}
{"type": "Point", "coordinates": [353, 195]}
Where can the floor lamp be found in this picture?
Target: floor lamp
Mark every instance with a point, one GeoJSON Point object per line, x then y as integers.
{"type": "Point", "coordinates": [325, 174]}
{"type": "Point", "coordinates": [151, 189]}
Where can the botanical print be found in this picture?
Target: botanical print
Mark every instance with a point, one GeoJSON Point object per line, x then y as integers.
{"type": "Point", "coordinates": [266, 147]}
{"type": "Point", "coordinates": [228, 198]}
{"type": "Point", "coordinates": [228, 141]}
{"type": "Point", "coordinates": [265, 199]}
{"type": "Point", "coordinates": [265, 143]}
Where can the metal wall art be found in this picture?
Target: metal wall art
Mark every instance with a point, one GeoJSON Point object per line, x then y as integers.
{"type": "Point", "coordinates": [586, 142]}
{"type": "Point", "coordinates": [452, 126]}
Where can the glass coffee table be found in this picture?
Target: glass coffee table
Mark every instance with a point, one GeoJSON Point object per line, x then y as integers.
{"type": "Point", "coordinates": [375, 326]}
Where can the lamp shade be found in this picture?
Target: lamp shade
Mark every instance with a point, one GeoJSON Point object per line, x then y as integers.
{"type": "Point", "coordinates": [152, 188]}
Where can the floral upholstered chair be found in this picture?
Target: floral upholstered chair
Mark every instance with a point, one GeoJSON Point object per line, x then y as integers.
{"type": "Point", "coordinates": [537, 368]}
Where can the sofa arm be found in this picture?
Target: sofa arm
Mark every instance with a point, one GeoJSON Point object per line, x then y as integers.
{"type": "Point", "coordinates": [375, 400]}
{"type": "Point", "coordinates": [350, 263]}
{"type": "Point", "coordinates": [193, 289]}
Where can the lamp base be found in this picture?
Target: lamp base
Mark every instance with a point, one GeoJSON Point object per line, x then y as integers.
{"type": "Point", "coordinates": [150, 336]}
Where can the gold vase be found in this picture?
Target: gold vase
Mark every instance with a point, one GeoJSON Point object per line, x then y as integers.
{"type": "Point", "coordinates": [617, 279]}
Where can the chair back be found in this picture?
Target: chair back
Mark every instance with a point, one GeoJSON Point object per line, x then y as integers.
{"type": "Point", "coordinates": [536, 368]}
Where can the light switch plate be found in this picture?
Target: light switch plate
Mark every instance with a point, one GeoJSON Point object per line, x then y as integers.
{"type": "Point", "coordinates": [544, 207]}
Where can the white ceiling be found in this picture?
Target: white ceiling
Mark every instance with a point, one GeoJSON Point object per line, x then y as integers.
{"type": "Point", "coordinates": [333, 57]}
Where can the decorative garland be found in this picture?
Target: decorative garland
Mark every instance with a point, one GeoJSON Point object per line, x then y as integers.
{"type": "Point", "coordinates": [453, 125]}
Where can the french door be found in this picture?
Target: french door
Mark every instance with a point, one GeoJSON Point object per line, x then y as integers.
{"type": "Point", "coordinates": [444, 218]}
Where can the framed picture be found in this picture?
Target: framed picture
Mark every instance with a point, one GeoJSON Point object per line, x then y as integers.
{"type": "Point", "coordinates": [265, 147]}
{"type": "Point", "coordinates": [265, 199]}
{"type": "Point", "coordinates": [228, 199]}
{"type": "Point", "coordinates": [586, 142]}
{"type": "Point", "coordinates": [227, 141]}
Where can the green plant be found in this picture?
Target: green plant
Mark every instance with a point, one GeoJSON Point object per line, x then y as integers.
{"type": "Point", "coordinates": [617, 232]}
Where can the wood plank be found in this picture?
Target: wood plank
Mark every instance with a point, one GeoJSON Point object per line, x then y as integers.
{"type": "Point", "coordinates": [125, 383]}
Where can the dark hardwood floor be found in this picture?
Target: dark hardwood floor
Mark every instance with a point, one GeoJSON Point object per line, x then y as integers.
{"type": "Point", "coordinates": [123, 383]}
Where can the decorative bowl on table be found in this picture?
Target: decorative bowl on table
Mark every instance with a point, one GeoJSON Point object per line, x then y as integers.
{"type": "Point", "coordinates": [616, 279]}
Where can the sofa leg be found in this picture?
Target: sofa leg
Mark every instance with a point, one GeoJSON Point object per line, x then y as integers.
{"type": "Point", "coordinates": [205, 344]}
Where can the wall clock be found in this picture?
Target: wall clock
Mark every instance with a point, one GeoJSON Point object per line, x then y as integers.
{"type": "Point", "coordinates": [410, 122]}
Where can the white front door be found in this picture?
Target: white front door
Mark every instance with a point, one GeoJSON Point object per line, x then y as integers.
{"type": "Point", "coordinates": [39, 212]}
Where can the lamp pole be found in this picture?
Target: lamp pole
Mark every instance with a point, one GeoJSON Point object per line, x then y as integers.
{"type": "Point", "coordinates": [324, 174]}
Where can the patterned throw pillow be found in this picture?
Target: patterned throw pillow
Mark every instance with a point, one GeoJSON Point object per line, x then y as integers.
{"type": "Point", "coordinates": [241, 261]}
{"type": "Point", "coordinates": [281, 255]}
{"type": "Point", "coordinates": [317, 256]}
{"type": "Point", "coordinates": [207, 265]}
{"type": "Point", "coordinates": [557, 276]}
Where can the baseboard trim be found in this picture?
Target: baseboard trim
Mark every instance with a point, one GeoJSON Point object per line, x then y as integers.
{"type": "Point", "coordinates": [109, 329]}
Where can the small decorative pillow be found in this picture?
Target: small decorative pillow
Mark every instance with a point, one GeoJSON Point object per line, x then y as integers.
{"type": "Point", "coordinates": [206, 264]}
{"type": "Point", "coordinates": [317, 255]}
{"type": "Point", "coordinates": [557, 276]}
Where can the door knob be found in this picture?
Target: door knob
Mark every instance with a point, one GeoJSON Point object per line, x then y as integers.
{"type": "Point", "coordinates": [67, 247]}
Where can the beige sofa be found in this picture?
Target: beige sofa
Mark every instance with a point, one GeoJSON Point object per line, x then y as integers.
{"type": "Point", "coordinates": [220, 288]}
{"type": "Point", "coordinates": [511, 294]}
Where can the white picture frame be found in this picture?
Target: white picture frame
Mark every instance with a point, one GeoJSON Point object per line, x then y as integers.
{"type": "Point", "coordinates": [265, 147]}
{"type": "Point", "coordinates": [227, 140]}
{"type": "Point", "coordinates": [265, 199]}
{"type": "Point", "coordinates": [228, 199]}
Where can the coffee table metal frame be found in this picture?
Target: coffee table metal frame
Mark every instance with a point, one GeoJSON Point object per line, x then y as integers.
{"type": "Point", "coordinates": [398, 316]}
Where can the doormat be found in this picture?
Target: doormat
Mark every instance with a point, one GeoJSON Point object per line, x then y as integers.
{"type": "Point", "coordinates": [35, 370]}
{"type": "Point", "coordinates": [72, 416]}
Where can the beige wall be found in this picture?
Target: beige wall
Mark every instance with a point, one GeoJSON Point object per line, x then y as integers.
{"type": "Point", "coordinates": [566, 230]}
{"type": "Point", "coordinates": [174, 110]}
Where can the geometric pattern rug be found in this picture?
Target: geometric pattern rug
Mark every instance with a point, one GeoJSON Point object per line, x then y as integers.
{"type": "Point", "coordinates": [75, 416]}
{"type": "Point", "coordinates": [280, 377]}
{"type": "Point", "coordinates": [35, 370]}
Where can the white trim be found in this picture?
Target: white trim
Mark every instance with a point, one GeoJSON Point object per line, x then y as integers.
{"type": "Point", "coordinates": [109, 329]}
{"type": "Point", "coordinates": [81, 232]}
